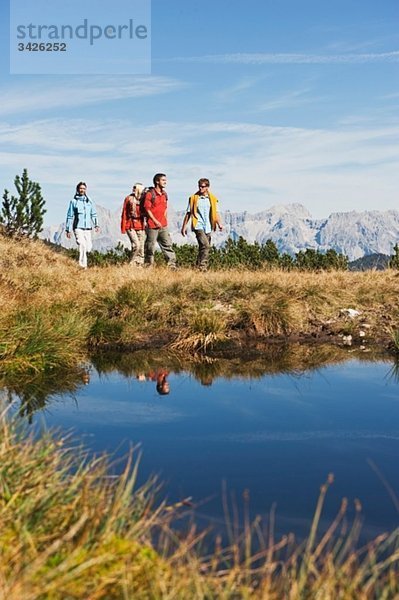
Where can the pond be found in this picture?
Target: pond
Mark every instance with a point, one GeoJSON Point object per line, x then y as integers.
{"type": "Point", "coordinates": [270, 428]}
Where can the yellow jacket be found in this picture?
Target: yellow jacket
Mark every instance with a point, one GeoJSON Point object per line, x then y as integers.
{"type": "Point", "coordinates": [213, 212]}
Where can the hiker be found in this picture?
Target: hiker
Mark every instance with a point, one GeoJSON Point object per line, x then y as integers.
{"type": "Point", "coordinates": [133, 223]}
{"type": "Point", "coordinates": [160, 376]}
{"type": "Point", "coordinates": [81, 217]}
{"type": "Point", "coordinates": [155, 204]}
{"type": "Point", "coordinates": [163, 387]}
{"type": "Point", "coordinates": [202, 209]}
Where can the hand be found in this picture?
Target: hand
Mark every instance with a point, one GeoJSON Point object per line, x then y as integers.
{"type": "Point", "coordinates": [183, 232]}
{"type": "Point", "coordinates": [97, 229]}
{"type": "Point", "coordinates": [68, 234]}
{"type": "Point", "coordinates": [220, 227]}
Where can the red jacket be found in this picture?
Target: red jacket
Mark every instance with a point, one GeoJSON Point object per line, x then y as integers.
{"type": "Point", "coordinates": [131, 215]}
{"type": "Point", "coordinates": [158, 204]}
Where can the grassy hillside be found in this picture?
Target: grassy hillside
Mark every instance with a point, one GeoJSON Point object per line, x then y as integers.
{"type": "Point", "coordinates": [51, 311]}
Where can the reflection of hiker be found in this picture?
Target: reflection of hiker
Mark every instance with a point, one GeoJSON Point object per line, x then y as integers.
{"type": "Point", "coordinates": [163, 386]}
{"type": "Point", "coordinates": [81, 217]}
{"type": "Point", "coordinates": [155, 207]}
{"type": "Point", "coordinates": [132, 223]}
{"type": "Point", "coordinates": [160, 376]}
{"type": "Point", "coordinates": [202, 209]}
{"type": "Point", "coordinates": [206, 380]}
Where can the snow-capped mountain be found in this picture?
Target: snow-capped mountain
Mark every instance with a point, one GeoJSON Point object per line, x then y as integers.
{"type": "Point", "coordinates": [290, 226]}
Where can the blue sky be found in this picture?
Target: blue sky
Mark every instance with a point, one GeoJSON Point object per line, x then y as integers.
{"type": "Point", "coordinates": [275, 101]}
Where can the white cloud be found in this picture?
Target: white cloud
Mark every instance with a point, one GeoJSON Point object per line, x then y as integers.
{"type": "Point", "coordinates": [290, 100]}
{"type": "Point", "coordinates": [251, 166]}
{"type": "Point", "coordinates": [79, 91]}
{"type": "Point", "coordinates": [393, 96]}
{"type": "Point", "coordinates": [260, 58]}
{"type": "Point", "coordinates": [244, 84]}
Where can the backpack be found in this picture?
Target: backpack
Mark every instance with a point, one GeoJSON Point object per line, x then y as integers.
{"type": "Point", "coordinates": [129, 209]}
{"type": "Point", "coordinates": [153, 196]}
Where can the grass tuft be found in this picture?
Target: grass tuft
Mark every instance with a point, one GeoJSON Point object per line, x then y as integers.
{"type": "Point", "coordinates": [205, 329]}
{"type": "Point", "coordinates": [35, 340]}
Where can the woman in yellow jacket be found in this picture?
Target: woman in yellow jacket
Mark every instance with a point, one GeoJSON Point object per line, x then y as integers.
{"type": "Point", "coordinates": [202, 209]}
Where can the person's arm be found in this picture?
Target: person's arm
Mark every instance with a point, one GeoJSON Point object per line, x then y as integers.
{"type": "Point", "coordinates": [184, 225]}
{"type": "Point", "coordinates": [186, 219]}
{"type": "Point", "coordinates": [218, 222]}
{"type": "Point", "coordinates": [93, 215]}
{"type": "Point", "coordinates": [124, 216]}
{"type": "Point", "coordinates": [153, 219]}
{"type": "Point", "coordinates": [69, 218]}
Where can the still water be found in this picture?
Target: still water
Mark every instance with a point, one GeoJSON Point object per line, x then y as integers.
{"type": "Point", "coordinates": [277, 432]}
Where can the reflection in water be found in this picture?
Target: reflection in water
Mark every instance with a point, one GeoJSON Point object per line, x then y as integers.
{"type": "Point", "coordinates": [275, 424]}
{"type": "Point", "coordinates": [86, 377]}
{"type": "Point", "coordinates": [393, 373]}
{"type": "Point", "coordinates": [35, 393]}
{"type": "Point", "coordinates": [160, 377]}
{"type": "Point", "coordinates": [294, 359]}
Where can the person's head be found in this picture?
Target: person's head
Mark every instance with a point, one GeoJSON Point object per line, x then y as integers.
{"type": "Point", "coordinates": [163, 387]}
{"type": "Point", "coordinates": [159, 180]}
{"type": "Point", "coordinates": [81, 188]}
{"type": "Point", "coordinates": [137, 190]}
{"type": "Point", "coordinates": [203, 184]}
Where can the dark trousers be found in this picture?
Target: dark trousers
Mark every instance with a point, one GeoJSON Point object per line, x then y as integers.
{"type": "Point", "coordinates": [204, 246]}
{"type": "Point", "coordinates": [162, 236]}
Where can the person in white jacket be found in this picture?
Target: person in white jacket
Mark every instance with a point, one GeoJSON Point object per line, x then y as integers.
{"type": "Point", "coordinates": [81, 217]}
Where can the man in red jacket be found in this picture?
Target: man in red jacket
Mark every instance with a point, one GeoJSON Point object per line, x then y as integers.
{"type": "Point", "coordinates": [155, 208]}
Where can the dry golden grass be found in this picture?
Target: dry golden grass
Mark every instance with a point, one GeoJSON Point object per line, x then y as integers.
{"type": "Point", "coordinates": [29, 269]}
{"type": "Point", "coordinates": [126, 306]}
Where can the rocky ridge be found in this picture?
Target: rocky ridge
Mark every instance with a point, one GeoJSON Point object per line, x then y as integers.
{"type": "Point", "coordinates": [291, 227]}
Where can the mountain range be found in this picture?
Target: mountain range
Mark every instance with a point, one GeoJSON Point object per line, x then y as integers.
{"type": "Point", "coordinates": [291, 227]}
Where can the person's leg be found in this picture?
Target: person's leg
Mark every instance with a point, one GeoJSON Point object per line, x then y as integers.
{"type": "Point", "coordinates": [89, 243]}
{"type": "Point", "coordinates": [132, 235]}
{"type": "Point", "coordinates": [140, 252]}
{"type": "Point", "coordinates": [204, 245]}
{"type": "Point", "coordinates": [81, 241]}
{"type": "Point", "coordinates": [165, 243]}
{"type": "Point", "coordinates": [149, 247]}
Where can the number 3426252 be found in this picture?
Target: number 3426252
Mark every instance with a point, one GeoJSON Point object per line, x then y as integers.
{"type": "Point", "coordinates": [42, 47]}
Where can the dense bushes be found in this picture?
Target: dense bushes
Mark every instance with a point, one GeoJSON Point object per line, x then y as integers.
{"type": "Point", "coordinates": [234, 254]}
